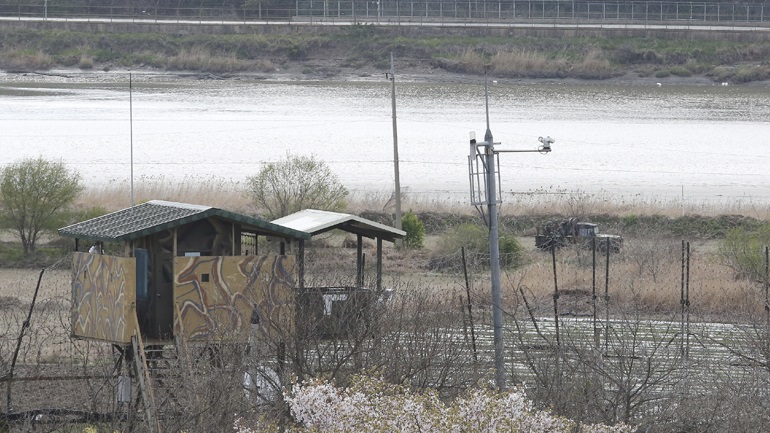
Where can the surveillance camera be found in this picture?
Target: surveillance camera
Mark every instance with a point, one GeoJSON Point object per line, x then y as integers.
{"type": "Point", "coordinates": [547, 142]}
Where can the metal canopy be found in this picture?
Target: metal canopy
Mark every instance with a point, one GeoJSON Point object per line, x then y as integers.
{"type": "Point", "coordinates": [157, 215]}
{"type": "Point", "coordinates": [319, 221]}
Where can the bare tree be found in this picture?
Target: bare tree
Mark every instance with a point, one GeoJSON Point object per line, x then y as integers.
{"type": "Point", "coordinates": [296, 183]}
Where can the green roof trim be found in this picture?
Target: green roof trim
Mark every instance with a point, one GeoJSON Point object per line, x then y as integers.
{"type": "Point", "coordinates": [157, 215]}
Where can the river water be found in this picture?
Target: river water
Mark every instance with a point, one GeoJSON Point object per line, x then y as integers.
{"type": "Point", "coordinates": [697, 143]}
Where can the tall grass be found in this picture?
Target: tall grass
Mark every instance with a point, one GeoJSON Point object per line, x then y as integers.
{"type": "Point", "coordinates": [26, 59]}
{"type": "Point", "coordinates": [199, 58]}
{"type": "Point", "coordinates": [528, 64]}
{"type": "Point", "coordinates": [214, 192]}
{"type": "Point", "coordinates": [233, 195]}
{"type": "Point", "coordinates": [646, 278]}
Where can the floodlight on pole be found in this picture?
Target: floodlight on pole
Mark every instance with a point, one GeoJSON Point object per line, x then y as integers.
{"type": "Point", "coordinates": [483, 165]}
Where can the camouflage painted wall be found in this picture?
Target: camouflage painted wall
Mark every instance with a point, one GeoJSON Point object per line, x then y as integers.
{"type": "Point", "coordinates": [217, 296]}
{"type": "Point", "coordinates": [103, 297]}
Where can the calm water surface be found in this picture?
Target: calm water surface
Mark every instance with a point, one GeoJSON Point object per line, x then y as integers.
{"type": "Point", "coordinates": [708, 143]}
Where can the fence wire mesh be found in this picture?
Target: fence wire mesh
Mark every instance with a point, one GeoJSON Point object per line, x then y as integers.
{"type": "Point", "coordinates": [401, 11]}
{"type": "Point", "coordinates": [660, 333]}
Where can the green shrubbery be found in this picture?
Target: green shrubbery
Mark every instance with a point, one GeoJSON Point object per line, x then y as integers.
{"type": "Point", "coordinates": [35, 196]}
{"type": "Point", "coordinates": [744, 251]}
{"type": "Point", "coordinates": [475, 240]}
{"type": "Point", "coordinates": [415, 230]}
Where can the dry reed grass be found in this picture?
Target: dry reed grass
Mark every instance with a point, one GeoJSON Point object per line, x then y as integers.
{"type": "Point", "coordinates": [85, 62]}
{"type": "Point", "coordinates": [26, 60]}
{"type": "Point", "coordinates": [528, 64]}
{"type": "Point", "coordinates": [577, 202]}
{"type": "Point", "coordinates": [594, 66]}
{"type": "Point", "coordinates": [233, 195]}
{"type": "Point", "coordinates": [472, 61]}
{"type": "Point", "coordinates": [533, 64]}
{"type": "Point", "coordinates": [20, 284]}
{"type": "Point", "coordinates": [644, 279]}
{"type": "Point", "coordinates": [48, 338]}
{"type": "Point", "coordinates": [214, 192]}
{"type": "Point", "coordinates": [199, 58]}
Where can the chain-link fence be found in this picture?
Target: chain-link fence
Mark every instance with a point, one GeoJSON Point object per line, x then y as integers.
{"type": "Point", "coordinates": [403, 12]}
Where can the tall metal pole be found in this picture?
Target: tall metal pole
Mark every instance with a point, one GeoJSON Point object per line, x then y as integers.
{"type": "Point", "coordinates": [767, 299]}
{"type": "Point", "coordinates": [490, 200]}
{"type": "Point", "coordinates": [395, 147]}
{"type": "Point", "coordinates": [607, 299]}
{"type": "Point", "coordinates": [767, 286]}
{"type": "Point", "coordinates": [494, 252]}
{"type": "Point", "coordinates": [687, 306]}
{"type": "Point", "coordinates": [131, 125]}
{"type": "Point", "coordinates": [681, 302]}
{"type": "Point", "coordinates": [593, 289]}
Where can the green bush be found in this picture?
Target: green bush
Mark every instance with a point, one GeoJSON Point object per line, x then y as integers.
{"type": "Point", "coordinates": [414, 228]}
{"type": "Point", "coordinates": [35, 195]}
{"type": "Point", "coordinates": [680, 71]}
{"type": "Point", "coordinates": [747, 74]}
{"type": "Point", "coordinates": [744, 251]}
{"type": "Point", "coordinates": [510, 250]}
{"type": "Point", "coordinates": [630, 220]}
{"type": "Point", "coordinates": [475, 240]}
{"type": "Point", "coordinates": [722, 73]}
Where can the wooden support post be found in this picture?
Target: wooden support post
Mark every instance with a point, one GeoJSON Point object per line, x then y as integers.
{"type": "Point", "coordinates": [379, 265]}
{"type": "Point", "coordinates": [143, 377]}
{"type": "Point", "coordinates": [301, 264]}
{"type": "Point", "coordinates": [359, 262]}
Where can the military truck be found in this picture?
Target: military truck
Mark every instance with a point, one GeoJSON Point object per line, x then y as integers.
{"type": "Point", "coordinates": [571, 231]}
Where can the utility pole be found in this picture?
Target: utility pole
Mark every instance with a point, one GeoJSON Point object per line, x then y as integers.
{"type": "Point", "coordinates": [482, 167]}
{"type": "Point", "coordinates": [131, 126]}
{"type": "Point", "coordinates": [392, 76]}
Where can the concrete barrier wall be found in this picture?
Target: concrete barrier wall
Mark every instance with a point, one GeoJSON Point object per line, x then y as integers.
{"type": "Point", "coordinates": [560, 30]}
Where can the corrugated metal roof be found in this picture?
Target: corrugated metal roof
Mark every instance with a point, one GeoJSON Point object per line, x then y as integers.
{"type": "Point", "coordinates": [318, 221]}
{"type": "Point", "coordinates": [158, 215]}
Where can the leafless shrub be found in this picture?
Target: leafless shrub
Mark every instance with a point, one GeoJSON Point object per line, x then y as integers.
{"type": "Point", "coordinates": [24, 60]}
{"type": "Point", "coordinates": [593, 66]}
{"type": "Point", "coordinates": [614, 372]}
{"type": "Point", "coordinates": [651, 256]}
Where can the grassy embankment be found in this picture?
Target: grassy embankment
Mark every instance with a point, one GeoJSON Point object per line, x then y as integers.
{"type": "Point", "coordinates": [365, 49]}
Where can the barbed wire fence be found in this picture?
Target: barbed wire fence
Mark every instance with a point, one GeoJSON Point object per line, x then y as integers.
{"type": "Point", "coordinates": [408, 12]}
{"type": "Point", "coordinates": [659, 334]}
